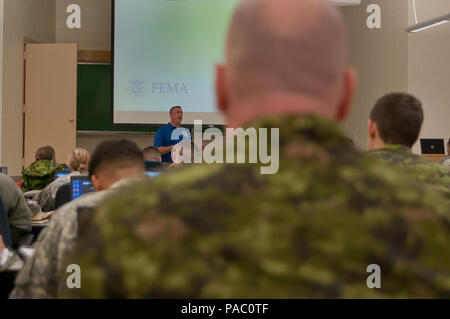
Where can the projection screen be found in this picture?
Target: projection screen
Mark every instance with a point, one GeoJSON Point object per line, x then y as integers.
{"type": "Point", "coordinates": [164, 53]}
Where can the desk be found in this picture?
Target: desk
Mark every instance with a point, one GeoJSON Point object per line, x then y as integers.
{"type": "Point", "coordinates": [36, 228]}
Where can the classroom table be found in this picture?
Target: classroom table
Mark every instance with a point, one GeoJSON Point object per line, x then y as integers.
{"type": "Point", "coordinates": [36, 228]}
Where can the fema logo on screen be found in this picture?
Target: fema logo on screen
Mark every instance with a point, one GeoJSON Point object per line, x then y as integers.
{"type": "Point", "coordinates": [137, 86]}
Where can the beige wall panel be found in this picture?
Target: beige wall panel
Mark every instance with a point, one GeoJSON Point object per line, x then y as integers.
{"type": "Point", "coordinates": [51, 82]}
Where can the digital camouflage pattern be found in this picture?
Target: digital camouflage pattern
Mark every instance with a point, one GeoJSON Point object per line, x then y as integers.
{"type": "Point", "coordinates": [446, 161]}
{"type": "Point", "coordinates": [46, 198]}
{"type": "Point", "coordinates": [309, 231]}
{"type": "Point", "coordinates": [416, 166]}
{"type": "Point", "coordinates": [39, 278]}
{"type": "Point", "coordinates": [40, 174]}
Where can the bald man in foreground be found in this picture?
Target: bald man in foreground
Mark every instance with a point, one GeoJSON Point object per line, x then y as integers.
{"type": "Point", "coordinates": [310, 231]}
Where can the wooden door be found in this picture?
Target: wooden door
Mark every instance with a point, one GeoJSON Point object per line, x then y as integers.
{"type": "Point", "coordinates": [50, 99]}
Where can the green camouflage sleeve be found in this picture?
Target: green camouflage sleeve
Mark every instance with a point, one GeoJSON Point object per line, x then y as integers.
{"type": "Point", "coordinates": [414, 165]}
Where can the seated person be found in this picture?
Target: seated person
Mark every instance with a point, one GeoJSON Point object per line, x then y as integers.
{"type": "Point", "coordinates": [78, 162]}
{"type": "Point", "coordinates": [163, 138]}
{"type": "Point", "coordinates": [19, 215]}
{"type": "Point", "coordinates": [113, 166]}
{"type": "Point", "coordinates": [42, 172]}
{"type": "Point", "coordinates": [153, 159]}
{"type": "Point", "coordinates": [394, 127]}
{"type": "Point", "coordinates": [446, 161]}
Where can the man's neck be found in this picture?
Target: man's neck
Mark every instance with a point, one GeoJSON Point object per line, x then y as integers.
{"type": "Point", "coordinates": [175, 125]}
{"type": "Point", "coordinates": [376, 144]}
{"type": "Point", "coordinates": [242, 113]}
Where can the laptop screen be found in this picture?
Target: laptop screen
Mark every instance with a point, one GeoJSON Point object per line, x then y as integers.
{"type": "Point", "coordinates": [152, 174]}
{"type": "Point", "coordinates": [432, 146]}
{"type": "Point", "coordinates": [81, 185]}
{"type": "Point", "coordinates": [62, 173]}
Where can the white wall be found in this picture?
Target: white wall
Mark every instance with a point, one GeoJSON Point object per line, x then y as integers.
{"type": "Point", "coordinates": [380, 57]}
{"type": "Point", "coordinates": [33, 19]}
{"type": "Point", "coordinates": [95, 32]}
{"type": "Point", "coordinates": [429, 69]}
{"type": "Point", "coordinates": [90, 141]}
{"type": "Point", "coordinates": [390, 59]}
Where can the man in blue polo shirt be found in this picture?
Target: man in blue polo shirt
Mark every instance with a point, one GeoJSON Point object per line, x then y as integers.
{"type": "Point", "coordinates": [163, 138]}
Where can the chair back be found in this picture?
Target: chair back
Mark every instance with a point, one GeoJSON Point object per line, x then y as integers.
{"type": "Point", "coordinates": [63, 195]}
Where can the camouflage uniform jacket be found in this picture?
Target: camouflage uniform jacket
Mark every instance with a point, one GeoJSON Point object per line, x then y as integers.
{"type": "Point", "coordinates": [46, 198]}
{"type": "Point", "coordinates": [309, 231]}
{"type": "Point", "coordinates": [39, 277]}
{"type": "Point", "coordinates": [416, 166]}
{"type": "Point", "coordinates": [39, 174]}
{"type": "Point", "coordinates": [19, 214]}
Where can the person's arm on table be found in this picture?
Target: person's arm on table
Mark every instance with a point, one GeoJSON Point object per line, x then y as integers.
{"type": "Point", "coordinates": [165, 149]}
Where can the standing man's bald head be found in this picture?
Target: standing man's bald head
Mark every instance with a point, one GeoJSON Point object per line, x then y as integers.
{"type": "Point", "coordinates": [289, 51]}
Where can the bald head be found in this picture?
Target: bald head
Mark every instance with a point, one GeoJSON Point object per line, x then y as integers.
{"type": "Point", "coordinates": [286, 47]}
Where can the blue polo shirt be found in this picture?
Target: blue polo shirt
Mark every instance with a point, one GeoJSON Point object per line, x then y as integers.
{"type": "Point", "coordinates": [163, 138]}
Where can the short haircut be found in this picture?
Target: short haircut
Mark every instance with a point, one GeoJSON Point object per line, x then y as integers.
{"type": "Point", "coordinates": [45, 153]}
{"type": "Point", "coordinates": [399, 118]}
{"type": "Point", "coordinates": [119, 153]}
{"type": "Point", "coordinates": [175, 107]}
{"type": "Point", "coordinates": [151, 153]}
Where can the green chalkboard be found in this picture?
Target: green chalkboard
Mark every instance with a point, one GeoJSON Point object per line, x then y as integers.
{"type": "Point", "coordinates": [94, 100]}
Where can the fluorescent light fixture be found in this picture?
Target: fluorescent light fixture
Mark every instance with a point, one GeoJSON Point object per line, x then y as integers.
{"type": "Point", "coordinates": [429, 24]}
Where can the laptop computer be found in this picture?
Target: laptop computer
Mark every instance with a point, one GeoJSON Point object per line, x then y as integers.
{"type": "Point", "coordinates": [432, 146]}
{"type": "Point", "coordinates": [152, 174]}
{"type": "Point", "coordinates": [61, 173]}
{"type": "Point", "coordinates": [81, 185]}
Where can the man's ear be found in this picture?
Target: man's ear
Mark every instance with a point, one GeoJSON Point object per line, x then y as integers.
{"type": "Point", "coordinates": [372, 129]}
{"type": "Point", "coordinates": [221, 89]}
{"type": "Point", "coordinates": [349, 89]}
{"type": "Point", "coordinates": [97, 183]}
